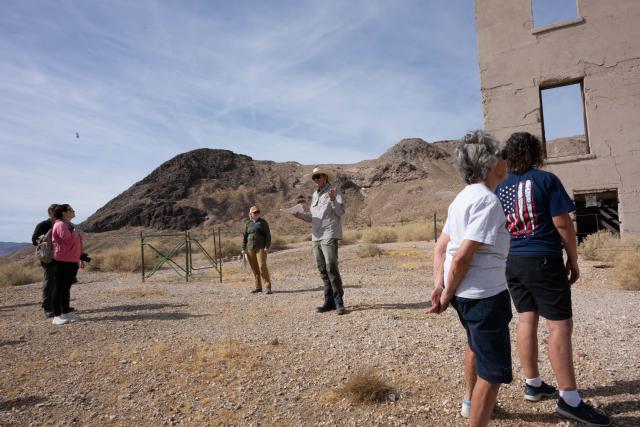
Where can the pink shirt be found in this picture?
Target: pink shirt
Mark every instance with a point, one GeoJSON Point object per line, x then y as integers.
{"type": "Point", "coordinates": [67, 243]}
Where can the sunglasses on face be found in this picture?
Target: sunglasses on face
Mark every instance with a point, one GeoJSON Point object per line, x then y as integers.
{"type": "Point", "coordinates": [316, 177]}
{"type": "Point", "coordinates": [255, 212]}
{"type": "Point", "coordinates": [503, 154]}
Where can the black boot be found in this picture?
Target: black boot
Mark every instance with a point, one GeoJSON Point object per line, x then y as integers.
{"type": "Point", "coordinates": [340, 310]}
{"type": "Point", "coordinates": [327, 306]}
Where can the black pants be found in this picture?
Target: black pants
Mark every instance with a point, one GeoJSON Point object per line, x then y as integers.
{"type": "Point", "coordinates": [47, 286]}
{"type": "Point", "coordinates": [64, 273]}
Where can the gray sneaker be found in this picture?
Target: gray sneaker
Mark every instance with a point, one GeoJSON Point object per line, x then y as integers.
{"type": "Point", "coordinates": [535, 394]}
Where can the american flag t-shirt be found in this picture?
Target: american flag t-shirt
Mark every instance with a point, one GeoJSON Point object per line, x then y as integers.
{"type": "Point", "coordinates": [519, 208]}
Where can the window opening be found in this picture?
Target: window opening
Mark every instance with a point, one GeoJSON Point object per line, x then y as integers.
{"type": "Point", "coordinates": [596, 211]}
{"type": "Point", "coordinates": [548, 12]}
{"type": "Point", "coordinates": [563, 120]}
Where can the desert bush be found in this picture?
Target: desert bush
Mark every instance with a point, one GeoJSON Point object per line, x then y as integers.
{"type": "Point", "coordinates": [350, 237]}
{"type": "Point", "coordinates": [126, 259]}
{"type": "Point", "coordinates": [626, 271]}
{"type": "Point", "coordinates": [229, 246]}
{"type": "Point", "coordinates": [19, 273]}
{"type": "Point", "coordinates": [366, 250]}
{"type": "Point", "coordinates": [379, 235]}
{"type": "Point", "coordinates": [600, 246]}
{"type": "Point", "coordinates": [278, 243]}
{"type": "Point", "coordinates": [364, 387]}
{"type": "Point", "coordinates": [415, 232]}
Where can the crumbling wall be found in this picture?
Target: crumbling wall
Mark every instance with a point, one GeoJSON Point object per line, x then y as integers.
{"type": "Point", "coordinates": [601, 49]}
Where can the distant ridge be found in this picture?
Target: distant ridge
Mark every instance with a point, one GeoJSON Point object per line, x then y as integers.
{"type": "Point", "coordinates": [211, 186]}
{"type": "Point", "coordinates": [9, 247]}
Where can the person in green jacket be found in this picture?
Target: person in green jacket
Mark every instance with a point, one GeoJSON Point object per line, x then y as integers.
{"type": "Point", "coordinates": [255, 246]}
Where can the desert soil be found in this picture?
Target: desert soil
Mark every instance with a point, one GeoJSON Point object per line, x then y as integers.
{"type": "Point", "coordinates": [167, 352]}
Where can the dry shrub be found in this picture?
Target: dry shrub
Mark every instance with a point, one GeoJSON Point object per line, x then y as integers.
{"type": "Point", "coordinates": [600, 246]}
{"type": "Point", "coordinates": [367, 250]}
{"type": "Point", "coordinates": [415, 232]}
{"type": "Point", "coordinates": [19, 273]}
{"type": "Point", "coordinates": [626, 271]}
{"type": "Point", "coordinates": [231, 349]}
{"type": "Point", "coordinates": [364, 387]}
{"type": "Point", "coordinates": [127, 259]}
{"type": "Point", "coordinates": [351, 236]}
{"type": "Point", "coordinates": [379, 235]}
{"type": "Point", "coordinates": [278, 243]}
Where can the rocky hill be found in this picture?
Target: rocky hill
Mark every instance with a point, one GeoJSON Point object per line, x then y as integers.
{"type": "Point", "coordinates": [207, 186]}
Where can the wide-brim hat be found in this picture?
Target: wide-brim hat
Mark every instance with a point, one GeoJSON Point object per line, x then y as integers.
{"type": "Point", "coordinates": [324, 171]}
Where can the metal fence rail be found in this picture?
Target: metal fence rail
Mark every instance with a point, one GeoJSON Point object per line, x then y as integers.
{"type": "Point", "coordinates": [186, 243]}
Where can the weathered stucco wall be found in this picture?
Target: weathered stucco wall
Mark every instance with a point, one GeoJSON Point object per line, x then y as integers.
{"type": "Point", "coordinates": [603, 50]}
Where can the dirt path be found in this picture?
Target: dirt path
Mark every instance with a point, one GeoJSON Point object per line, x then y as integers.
{"type": "Point", "coordinates": [204, 353]}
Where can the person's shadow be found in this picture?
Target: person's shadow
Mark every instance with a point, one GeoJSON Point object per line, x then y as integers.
{"type": "Point", "coordinates": [133, 307]}
{"type": "Point", "coordinates": [26, 304]}
{"type": "Point", "coordinates": [20, 402]}
{"type": "Point", "coordinates": [392, 306]}
{"type": "Point", "coordinates": [631, 387]}
{"type": "Point", "coordinates": [144, 316]}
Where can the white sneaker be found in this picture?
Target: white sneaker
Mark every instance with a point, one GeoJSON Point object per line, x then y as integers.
{"type": "Point", "coordinates": [60, 320]}
{"type": "Point", "coordinates": [465, 409]}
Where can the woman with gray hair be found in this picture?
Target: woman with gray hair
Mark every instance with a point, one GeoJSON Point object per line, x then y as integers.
{"type": "Point", "coordinates": [469, 264]}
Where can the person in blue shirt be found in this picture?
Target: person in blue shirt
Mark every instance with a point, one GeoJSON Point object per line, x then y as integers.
{"type": "Point", "coordinates": [537, 210]}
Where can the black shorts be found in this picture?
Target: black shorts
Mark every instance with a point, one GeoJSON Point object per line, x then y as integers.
{"type": "Point", "coordinates": [540, 283]}
{"type": "Point", "coordinates": [487, 324]}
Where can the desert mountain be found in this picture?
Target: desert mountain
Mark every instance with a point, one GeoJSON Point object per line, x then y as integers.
{"type": "Point", "coordinates": [204, 187]}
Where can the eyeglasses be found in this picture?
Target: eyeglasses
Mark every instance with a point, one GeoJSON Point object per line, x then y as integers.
{"type": "Point", "coordinates": [316, 177]}
{"type": "Point", "coordinates": [255, 212]}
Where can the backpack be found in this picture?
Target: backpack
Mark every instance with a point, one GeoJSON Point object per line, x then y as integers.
{"type": "Point", "coordinates": [44, 250]}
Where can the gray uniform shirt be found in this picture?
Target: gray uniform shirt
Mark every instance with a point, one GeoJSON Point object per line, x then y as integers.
{"type": "Point", "coordinates": [326, 215]}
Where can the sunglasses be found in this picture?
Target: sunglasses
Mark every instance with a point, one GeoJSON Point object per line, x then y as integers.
{"type": "Point", "coordinates": [316, 177]}
{"type": "Point", "coordinates": [503, 154]}
{"type": "Point", "coordinates": [255, 212]}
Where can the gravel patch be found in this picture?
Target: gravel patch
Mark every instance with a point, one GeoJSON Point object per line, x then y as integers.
{"type": "Point", "coordinates": [168, 352]}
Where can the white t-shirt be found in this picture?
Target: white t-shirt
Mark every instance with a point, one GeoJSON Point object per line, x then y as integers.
{"type": "Point", "coordinates": [476, 214]}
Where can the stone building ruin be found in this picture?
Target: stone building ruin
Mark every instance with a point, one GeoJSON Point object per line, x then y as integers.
{"type": "Point", "coordinates": [597, 52]}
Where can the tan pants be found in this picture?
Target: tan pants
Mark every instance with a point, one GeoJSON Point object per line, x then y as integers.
{"type": "Point", "coordinates": [258, 262]}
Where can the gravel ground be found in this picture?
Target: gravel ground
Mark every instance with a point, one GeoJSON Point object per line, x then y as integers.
{"type": "Point", "coordinates": [203, 353]}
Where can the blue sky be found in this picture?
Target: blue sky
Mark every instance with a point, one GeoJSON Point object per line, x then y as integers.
{"type": "Point", "coordinates": [140, 82]}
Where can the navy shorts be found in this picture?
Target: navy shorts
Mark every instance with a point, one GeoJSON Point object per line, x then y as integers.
{"type": "Point", "coordinates": [487, 324]}
{"type": "Point", "coordinates": [540, 283]}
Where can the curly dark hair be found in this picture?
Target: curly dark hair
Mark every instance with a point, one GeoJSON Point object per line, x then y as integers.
{"type": "Point", "coordinates": [523, 152]}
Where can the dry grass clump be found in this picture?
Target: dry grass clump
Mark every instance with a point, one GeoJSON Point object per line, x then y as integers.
{"type": "Point", "coordinates": [127, 259]}
{"type": "Point", "coordinates": [367, 250]}
{"type": "Point", "coordinates": [415, 232]}
{"type": "Point", "coordinates": [379, 235]}
{"type": "Point", "coordinates": [600, 246]}
{"type": "Point", "coordinates": [626, 271]}
{"type": "Point", "coordinates": [19, 273]}
{"type": "Point", "coordinates": [363, 387]}
{"type": "Point", "coordinates": [351, 236]}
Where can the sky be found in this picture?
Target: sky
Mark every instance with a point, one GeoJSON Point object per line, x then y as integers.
{"type": "Point", "coordinates": [95, 95]}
